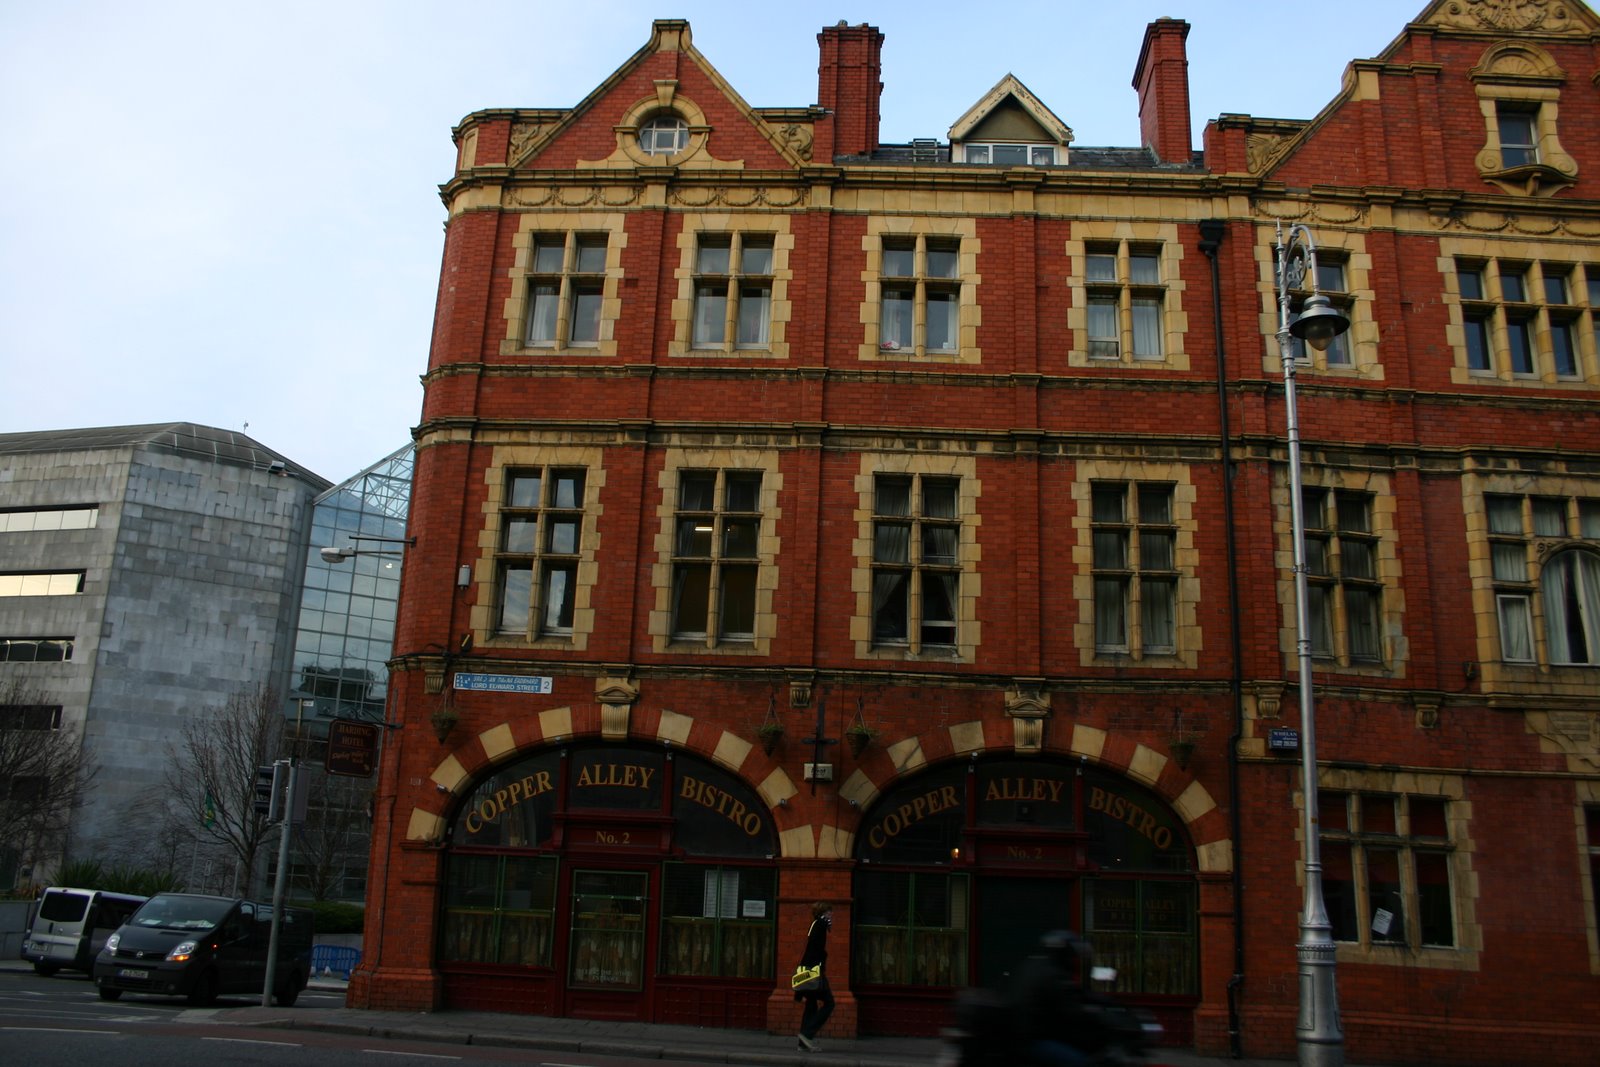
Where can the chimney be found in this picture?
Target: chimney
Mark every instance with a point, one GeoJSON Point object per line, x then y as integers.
{"type": "Point", "coordinates": [849, 83]}
{"type": "Point", "coordinates": [1162, 79]}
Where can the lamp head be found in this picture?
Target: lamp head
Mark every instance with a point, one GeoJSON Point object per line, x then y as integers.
{"type": "Point", "coordinates": [1319, 322]}
{"type": "Point", "coordinates": [331, 554]}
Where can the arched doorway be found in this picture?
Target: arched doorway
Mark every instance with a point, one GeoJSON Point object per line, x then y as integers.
{"type": "Point", "coordinates": [961, 869]}
{"type": "Point", "coordinates": [615, 882]}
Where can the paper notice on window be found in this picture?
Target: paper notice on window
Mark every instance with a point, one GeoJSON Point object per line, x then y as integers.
{"type": "Point", "coordinates": [755, 909]}
{"type": "Point", "coordinates": [1381, 921]}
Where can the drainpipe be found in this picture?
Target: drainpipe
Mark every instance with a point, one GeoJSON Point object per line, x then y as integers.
{"type": "Point", "coordinates": [1211, 234]}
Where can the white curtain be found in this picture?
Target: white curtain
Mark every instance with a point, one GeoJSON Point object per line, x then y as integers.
{"type": "Point", "coordinates": [1516, 634]}
{"type": "Point", "coordinates": [1571, 583]}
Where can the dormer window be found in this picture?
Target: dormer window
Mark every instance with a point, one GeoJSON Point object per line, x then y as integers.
{"type": "Point", "coordinates": [664, 135]}
{"type": "Point", "coordinates": [1012, 155]}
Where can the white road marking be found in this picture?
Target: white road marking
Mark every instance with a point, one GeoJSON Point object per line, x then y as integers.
{"type": "Point", "coordinates": [249, 1041]}
{"type": "Point", "coordinates": [416, 1055]}
{"type": "Point", "coordinates": [59, 1030]}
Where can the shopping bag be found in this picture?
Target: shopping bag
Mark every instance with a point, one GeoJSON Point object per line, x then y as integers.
{"type": "Point", "coordinates": [806, 978]}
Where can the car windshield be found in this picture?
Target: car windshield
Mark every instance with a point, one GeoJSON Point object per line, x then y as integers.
{"type": "Point", "coordinates": [181, 913]}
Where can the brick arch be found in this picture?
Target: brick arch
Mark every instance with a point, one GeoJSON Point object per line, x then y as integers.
{"type": "Point", "coordinates": [454, 775]}
{"type": "Point", "coordinates": [1150, 767]}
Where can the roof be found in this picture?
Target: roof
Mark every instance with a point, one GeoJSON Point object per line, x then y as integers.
{"type": "Point", "coordinates": [175, 438]}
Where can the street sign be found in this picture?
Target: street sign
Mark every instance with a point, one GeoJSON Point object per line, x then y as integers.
{"type": "Point", "coordinates": [352, 748]}
{"type": "Point", "coordinates": [503, 683]}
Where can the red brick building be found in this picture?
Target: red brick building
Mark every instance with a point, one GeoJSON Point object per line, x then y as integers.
{"type": "Point", "coordinates": [800, 517]}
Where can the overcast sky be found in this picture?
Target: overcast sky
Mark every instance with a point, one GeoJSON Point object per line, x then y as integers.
{"type": "Point", "coordinates": [227, 213]}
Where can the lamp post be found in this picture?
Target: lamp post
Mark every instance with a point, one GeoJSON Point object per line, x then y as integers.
{"type": "Point", "coordinates": [338, 554]}
{"type": "Point", "coordinates": [1319, 1033]}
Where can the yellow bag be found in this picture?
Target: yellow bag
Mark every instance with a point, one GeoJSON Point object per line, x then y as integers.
{"type": "Point", "coordinates": [806, 978]}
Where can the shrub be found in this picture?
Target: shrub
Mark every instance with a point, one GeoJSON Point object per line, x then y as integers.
{"type": "Point", "coordinates": [336, 916]}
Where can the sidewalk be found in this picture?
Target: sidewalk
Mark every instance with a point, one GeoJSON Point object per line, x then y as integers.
{"type": "Point", "coordinates": [684, 1044]}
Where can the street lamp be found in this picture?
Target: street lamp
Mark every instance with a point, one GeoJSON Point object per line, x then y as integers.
{"type": "Point", "coordinates": [338, 554]}
{"type": "Point", "coordinates": [1319, 1033]}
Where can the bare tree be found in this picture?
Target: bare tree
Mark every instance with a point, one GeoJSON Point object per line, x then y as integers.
{"type": "Point", "coordinates": [212, 772]}
{"type": "Point", "coordinates": [43, 771]}
{"type": "Point", "coordinates": [336, 834]}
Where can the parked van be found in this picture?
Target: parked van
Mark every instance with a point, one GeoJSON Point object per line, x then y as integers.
{"type": "Point", "coordinates": [70, 926]}
{"type": "Point", "coordinates": [200, 947]}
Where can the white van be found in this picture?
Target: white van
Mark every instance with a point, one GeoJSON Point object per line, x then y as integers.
{"type": "Point", "coordinates": [69, 927]}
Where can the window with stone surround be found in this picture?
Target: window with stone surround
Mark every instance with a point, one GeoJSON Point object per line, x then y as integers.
{"type": "Point", "coordinates": [716, 555]}
{"type": "Point", "coordinates": [921, 295]}
{"type": "Point", "coordinates": [1545, 563]}
{"type": "Point", "coordinates": [733, 291]}
{"type": "Point", "coordinates": [1529, 320]}
{"type": "Point", "coordinates": [916, 561]}
{"type": "Point", "coordinates": [1126, 298]}
{"type": "Point", "coordinates": [916, 550]}
{"type": "Point", "coordinates": [921, 290]}
{"type": "Point", "coordinates": [565, 277]}
{"type": "Point", "coordinates": [565, 288]}
{"type": "Point", "coordinates": [1333, 283]}
{"type": "Point", "coordinates": [1135, 567]}
{"type": "Point", "coordinates": [1387, 876]}
{"type": "Point", "coordinates": [1345, 595]}
{"type": "Point", "coordinates": [1518, 86]}
{"type": "Point", "coordinates": [541, 526]}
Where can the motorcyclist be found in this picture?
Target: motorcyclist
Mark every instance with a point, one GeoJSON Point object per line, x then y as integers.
{"type": "Point", "coordinates": [1057, 1022]}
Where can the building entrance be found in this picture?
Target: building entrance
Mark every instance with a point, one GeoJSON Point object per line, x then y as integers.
{"type": "Point", "coordinates": [1014, 913]}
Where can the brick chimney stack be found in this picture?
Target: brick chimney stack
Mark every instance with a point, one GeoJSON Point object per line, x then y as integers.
{"type": "Point", "coordinates": [849, 83]}
{"type": "Point", "coordinates": [1162, 79]}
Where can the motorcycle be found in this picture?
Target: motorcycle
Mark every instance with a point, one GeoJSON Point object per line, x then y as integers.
{"type": "Point", "coordinates": [986, 1032]}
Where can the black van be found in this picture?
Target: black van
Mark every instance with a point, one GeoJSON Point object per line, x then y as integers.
{"type": "Point", "coordinates": [186, 945]}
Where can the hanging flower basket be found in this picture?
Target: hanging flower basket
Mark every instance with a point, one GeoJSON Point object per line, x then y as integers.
{"type": "Point", "coordinates": [770, 732]}
{"type": "Point", "coordinates": [444, 720]}
{"type": "Point", "coordinates": [858, 735]}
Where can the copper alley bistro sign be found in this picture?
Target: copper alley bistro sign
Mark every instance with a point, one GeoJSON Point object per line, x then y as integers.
{"type": "Point", "coordinates": [352, 748]}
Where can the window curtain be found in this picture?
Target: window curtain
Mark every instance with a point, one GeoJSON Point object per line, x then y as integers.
{"type": "Point", "coordinates": [1103, 320]}
{"type": "Point", "coordinates": [889, 605]}
{"type": "Point", "coordinates": [1516, 633]}
{"type": "Point", "coordinates": [1110, 613]}
{"type": "Point", "coordinates": [755, 315]}
{"type": "Point", "coordinates": [1572, 607]}
{"type": "Point", "coordinates": [1155, 605]}
{"type": "Point", "coordinates": [1147, 328]}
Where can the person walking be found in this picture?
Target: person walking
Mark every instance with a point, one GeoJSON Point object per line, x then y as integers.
{"type": "Point", "coordinates": [818, 998]}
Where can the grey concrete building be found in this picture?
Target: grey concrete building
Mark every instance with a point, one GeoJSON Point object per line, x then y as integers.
{"type": "Point", "coordinates": [146, 573]}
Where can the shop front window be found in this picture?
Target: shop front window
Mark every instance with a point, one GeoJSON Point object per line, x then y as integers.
{"type": "Point", "coordinates": [1145, 930]}
{"type": "Point", "coordinates": [911, 929]}
{"type": "Point", "coordinates": [499, 909]}
{"type": "Point", "coordinates": [718, 921]}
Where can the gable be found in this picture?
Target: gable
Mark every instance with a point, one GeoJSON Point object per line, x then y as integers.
{"type": "Point", "coordinates": [1010, 121]}
{"type": "Point", "coordinates": [666, 83]}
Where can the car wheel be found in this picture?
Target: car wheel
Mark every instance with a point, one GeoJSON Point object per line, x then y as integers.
{"type": "Point", "coordinates": [288, 992]}
{"type": "Point", "coordinates": [107, 993]}
{"type": "Point", "coordinates": [205, 989]}
{"type": "Point", "coordinates": [45, 970]}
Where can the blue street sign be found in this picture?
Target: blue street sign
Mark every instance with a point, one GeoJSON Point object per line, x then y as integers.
{"type": "Point", "coordinates": [503, 683]}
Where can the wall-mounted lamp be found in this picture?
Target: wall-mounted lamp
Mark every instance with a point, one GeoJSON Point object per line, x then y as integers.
{"type": "Point", "coordinates": [464, 576]}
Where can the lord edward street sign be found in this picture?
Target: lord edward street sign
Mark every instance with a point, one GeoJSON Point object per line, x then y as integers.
{"type": "Point", "coordinates": [352, 748]}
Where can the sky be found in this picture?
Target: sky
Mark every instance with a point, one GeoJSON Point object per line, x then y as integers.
{"type": "Point", "coordinates": [228, 213]}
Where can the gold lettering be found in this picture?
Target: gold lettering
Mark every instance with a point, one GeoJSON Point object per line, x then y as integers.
{"type": "Point", "coordinates": [949, 793]}
{"type": "Point", "coordinates": [544, 782]}
{"type": "Point", "coordinates": [471, 817]}
{"type": "Point", "coordinates": [1055, 792]}
{"type": "Point", "coordinates": [992, 793]}
{"type": "Point", "coordinates": [585, 777]}
{"type": "Point", "coordinates": [645, 774]}
{"type": "Point", "coordinates": [1097, 799]}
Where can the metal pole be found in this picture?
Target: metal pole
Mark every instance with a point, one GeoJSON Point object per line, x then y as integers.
{"type": "Point", "coordinates": [278, 884]}
{"type": "Point", "coordinates": [1319, 1033]}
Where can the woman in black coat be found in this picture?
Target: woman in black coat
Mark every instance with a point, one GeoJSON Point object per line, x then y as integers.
{"type": "Point", "coordinates": [819, 998]}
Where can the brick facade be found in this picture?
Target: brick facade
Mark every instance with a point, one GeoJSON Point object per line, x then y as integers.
{"type": "Point", "coordinates": [1077, 356]}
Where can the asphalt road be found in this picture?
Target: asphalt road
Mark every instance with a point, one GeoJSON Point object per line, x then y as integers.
{"type": "Point", "coordinates": [62, 1022]}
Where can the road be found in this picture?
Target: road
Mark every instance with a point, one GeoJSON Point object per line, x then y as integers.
{"type": "Point", "coordinates": [62, 1022]}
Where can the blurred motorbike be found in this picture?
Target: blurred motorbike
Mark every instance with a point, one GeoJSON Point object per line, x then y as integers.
{"type": "Point", "coordinates": [987, 1033]}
